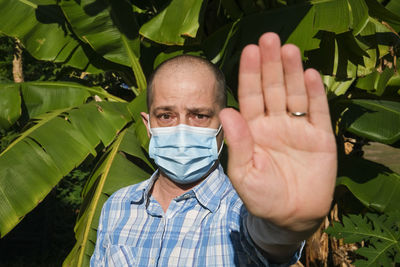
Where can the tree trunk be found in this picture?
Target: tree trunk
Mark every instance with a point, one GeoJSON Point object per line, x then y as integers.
{"type": "Point", "coordinates": [17, 62]}
{"type": "Point", "coordinates": [317, 248]}
{"type": "Point", "coordinates": [323, 251]}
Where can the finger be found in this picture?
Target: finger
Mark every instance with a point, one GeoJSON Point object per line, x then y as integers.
{"type": "Point", "coordinates": [238, 137]}
{"type": "Point", "coordinates": [250, 93]}
{"type": "Point", "coordinates": [296, 95]}
{"type": "Point", "coordinates": [318, 107]}
{"type": "Point", "coordinates": [272, 74]}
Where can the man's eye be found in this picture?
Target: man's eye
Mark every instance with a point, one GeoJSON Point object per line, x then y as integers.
{"type": "Point", "coordinates": [201, 116]}
{"type": "Point", "coordinates": [165, 116]}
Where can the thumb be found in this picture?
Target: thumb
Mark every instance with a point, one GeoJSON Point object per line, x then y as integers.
{"type": "Point", "coordinates": [238, 137]}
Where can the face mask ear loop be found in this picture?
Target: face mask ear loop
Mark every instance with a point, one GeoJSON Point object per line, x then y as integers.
{"type": "Point", "coordinates": [219, 129]}
{"type": "Point", "coordinates": [220, 149]}
{"type": "Point", "coordinates": [222, 145]}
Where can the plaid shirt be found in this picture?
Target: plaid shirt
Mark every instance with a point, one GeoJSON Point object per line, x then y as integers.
{"type": "Point", "coordinates": [203, 227]}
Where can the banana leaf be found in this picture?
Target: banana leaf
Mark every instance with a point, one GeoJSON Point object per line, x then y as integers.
{"type": "Point", "coordinates": [376, 82]}
{"type": "Point", "coordinates": [110, 29]}
{"type": "Point", "coordinates": [376, 120]}
{"type": "Point", "coordinates": [41, 27]}
{"type": "Point", "coordinates": [40, 97]}
{"type": "Point", "coordinates": [10, 103]}
{"type": "Point", "coordinates": [173, 25]}
{"type": "Point", "coordinates": [376, 186]}
{"type": "Point", "coordinates": [325, 31]}
{"type": "Point", "coordinates": [376, 10]}
{"type": "Point", "coordinates": [123, 164]}
{"type": "Point", "coordinates": [54, 144]}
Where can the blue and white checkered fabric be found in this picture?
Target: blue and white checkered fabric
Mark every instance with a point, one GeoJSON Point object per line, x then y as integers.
{"type": "Point", "coordinates": [203, 227]}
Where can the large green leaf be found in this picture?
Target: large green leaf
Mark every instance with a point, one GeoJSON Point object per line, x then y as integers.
{"type": "Point", "coordinates": [376, 186]}
{"type": "Point", "coordinates": [325, 31]}
{"type": "Point", "coordinates": [378, 11]}
{"type": "Point", "coordinates": [110, 28]}
{"type": "Point", "coordinates": [332, 16]}
{"type": "Point", "coordinates": [304, 34]}
{"type": "Point", "coordinates": [335, 87]}
{"type": "Point", "coordinates": [375, 82]}
{"type": "Point", "coordinates": [137, 106]}
{"type": "Point", "coordinates": [41, 27]}
{"type": "Point", "coordinates": [172, 26]}
{"type": "Point", "coordinates": [380, 234]}
{"type": "Point", "coordinates": [394, 7]}
{"type": "Point", "coordinates": [57, 142]}
{"type": "Point", "coordinates": [377, 120]}
{"type": "Point", "coordinates": [113, 172]}
{"type": "Point", "coordinates": [359, 15]}
{"type": "Point", "coordinates": [215, 46]}
{"type": "Point", "coordinates": [10, 105]}
{"type": "Point", "coordinates": [41, 97]}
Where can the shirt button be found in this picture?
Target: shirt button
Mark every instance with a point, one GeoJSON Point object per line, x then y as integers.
{"type": "Point", "coordinates": [186, 196]}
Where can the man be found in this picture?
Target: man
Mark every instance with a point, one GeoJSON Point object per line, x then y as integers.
{"type": "Point", "coordinates": [282, 166]}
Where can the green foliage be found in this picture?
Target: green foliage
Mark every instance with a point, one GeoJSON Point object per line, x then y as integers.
{"type": "Point", "coordinates": [70, 187]}
{"type": "Point", "coordinates": [94, 56]}
{"type": "Point", "coordinates": [6, 57]}
{"type": "Point", "coordinates": [114, 171]}
{"type": "Point", "coordinates": [45, 155]}
{"type": "Point", "coordinates": [376, 120]}
{"type": "Point", "coordinates": [6, 137]}
{"type": "Point", "coordinates": [367, 181]}
{"type": "Point", "coordinates": [380, 234]}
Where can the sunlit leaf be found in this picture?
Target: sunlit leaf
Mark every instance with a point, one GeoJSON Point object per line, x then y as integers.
{"type": "Point", "coordinates": [359, 15]}
{"type": "Point", "coordinates": [334, 87]}
{"type": "Point", "coordinates": [112, 173]}
{"type": "Point", "coordinates": [110, 29]}
{"type": "Point", "coordinates": [377, 120]}
{"type": "Point", "coordinates": [10, 103]}
{"type": "Point", "coordinates": [178, 21]}
{"type": "Point", "coordinates": [42, 30]}
{"type": "Point", "coordinates": [379, 233]}
{"type": "Point", "coordinates": [332, 16]}
{"type": "Point", "coordinates": [375, 82]}
{"type": "Point", "coordinates": [55, 144]}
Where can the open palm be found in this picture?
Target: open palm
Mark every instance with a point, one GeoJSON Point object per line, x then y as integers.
{"type": "Point", "coordinates": [282, 166]}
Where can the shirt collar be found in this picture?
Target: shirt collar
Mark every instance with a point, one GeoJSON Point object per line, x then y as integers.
{"type": "Point", "coordinates": [143, 189]}
{"type": "Point", "coordinates": [208, 192]}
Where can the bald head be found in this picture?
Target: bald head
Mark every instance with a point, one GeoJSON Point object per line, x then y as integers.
{"type": "Point", "coordinates": [185, 65]}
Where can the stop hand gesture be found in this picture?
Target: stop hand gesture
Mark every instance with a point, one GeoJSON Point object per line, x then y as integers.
{"type": "Point", "coordinates": [282, 166]}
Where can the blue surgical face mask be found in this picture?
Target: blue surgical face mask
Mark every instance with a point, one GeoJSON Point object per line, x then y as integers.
{"type": "Point", "coordinates": [184, 153]}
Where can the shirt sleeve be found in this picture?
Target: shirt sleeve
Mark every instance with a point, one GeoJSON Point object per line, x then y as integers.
{"type": "Point", "coordinates": [255, 253]}
{"type": "Point", "coordinates": [296, 256]}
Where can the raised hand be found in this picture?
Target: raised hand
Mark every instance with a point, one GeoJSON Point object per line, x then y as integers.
{"type": "Point", "coordinates": [282, 166]}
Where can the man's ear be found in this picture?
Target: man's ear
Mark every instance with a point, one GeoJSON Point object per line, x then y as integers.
{"type": "Point", "coordinates": [145, 119]}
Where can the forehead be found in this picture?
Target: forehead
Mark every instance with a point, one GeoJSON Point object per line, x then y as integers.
{"type": "Point", "coordinates": [184, 85]}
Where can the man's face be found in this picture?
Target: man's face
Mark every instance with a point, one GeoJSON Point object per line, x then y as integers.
{"type": "Point", "coordinates": [185, 94]}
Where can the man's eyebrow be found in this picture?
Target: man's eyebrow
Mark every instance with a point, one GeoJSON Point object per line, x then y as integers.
{"type": "Point", "coordinates": [163, 108]}
{"type": "Point", "coordinates": [207, 111]}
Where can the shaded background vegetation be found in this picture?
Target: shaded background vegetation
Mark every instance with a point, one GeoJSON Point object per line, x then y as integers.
{"type": "Point", "coordinates": [95, 56]}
